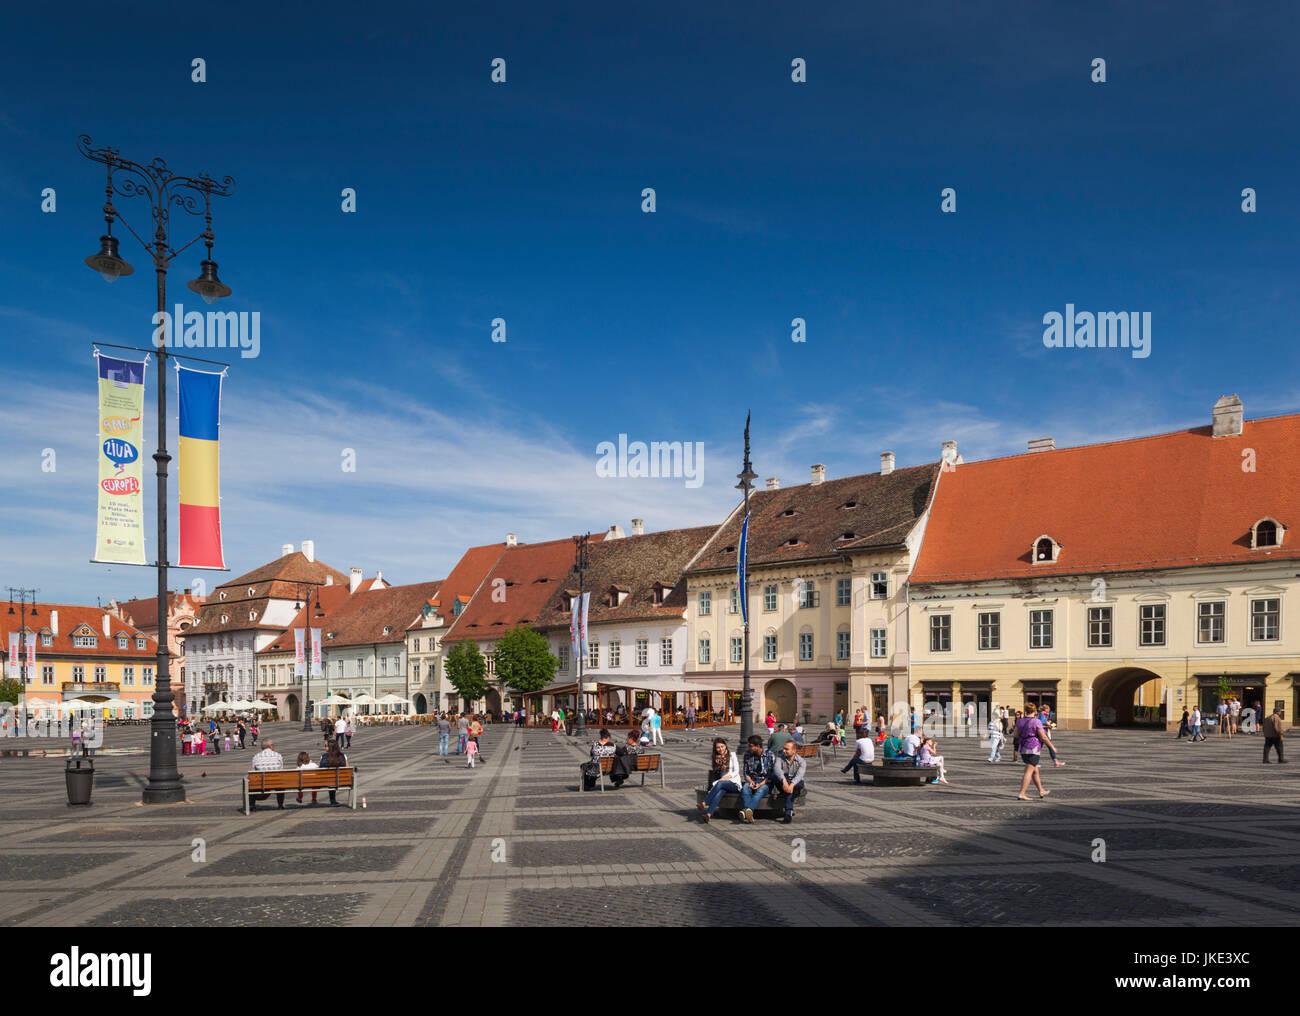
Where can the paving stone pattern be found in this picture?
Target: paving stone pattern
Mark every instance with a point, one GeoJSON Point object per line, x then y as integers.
{"type": "Point", "coordinates": [514, 842]}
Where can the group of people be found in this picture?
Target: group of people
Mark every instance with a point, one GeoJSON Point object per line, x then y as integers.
{"type": "Point", "coordinates": [1008, 722]}
{"type": "Point", "coordinates": [1231, 717]}
{"type": "Point", "coordinates": [209, 738]}
{"type": "Point", "coordinates": [469, 728]}
{"type": "Point", "coordinates": [759, 772]}
{"type": "Point", "coordinates": [340, 727]}
{"type": "Point", "coordinates": [270, 760]}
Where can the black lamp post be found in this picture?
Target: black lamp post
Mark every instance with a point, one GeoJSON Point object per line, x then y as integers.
{"type": "Point", "coordinates": [162, 189]}
{"type": "Point", "coordinates": [747, 476]}
{"type": "Point", "coordinates": [22, 595]}
{"type": "Point", "coordinates": [580, 565]}
{"type": "Point", "coordinates": [306, 649]}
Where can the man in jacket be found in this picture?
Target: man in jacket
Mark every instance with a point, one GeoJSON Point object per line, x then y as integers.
{"type": "Point", "coordinates": [755, 777]}
{"type": "Point", "coordinates": [1272, 728]}
{"type": "Point", "coordinates": [788, 771]}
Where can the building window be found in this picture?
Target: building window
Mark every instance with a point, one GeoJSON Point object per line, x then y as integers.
{"type": "Point", "coordinates": [706, 603]}
{"type": "Point", "coordinates": [140, 643]}
{"type": "Point", "coordinates": [806, 646]}
{"type": "Point", "coordinates": [383, 666]}
{"type": "Point", "coordinates": [1152, 617]}
{"type": "Point", "coordinates": [735, 601]}
{"type": "Point", "coordinates": [101, 674]}
{"type": "Point", "coordinates": [769, 648]}
{"type": "Point", "coordinates": [78, 673]}
{"type": "Point", "coordinates": [705, 650]}
{"type": "Point", "coordinates": [564, 657]}
{"type": "Point", "coordinates": [809, 596]}
{"type": "Point", "coordinates": [769, 598]}
{"type": "Point", "coordinates": [491, 659]}
{"type": "Point", "coordinates": [1099, 627]}
{"type": "Point", "coordinates": [1210, 618]}
{"type": "Point", "coordinates": [128, 677]}
{"type": "Point", "coordinates": [146, 676]}
{"type": "Point", "coordinates": [1267, 534]}
{"type": "Point", "coordinates": [990, 625]}
{"type": "Point", "coordinates": [593, 654]}
{"type": "Point", "coordinates": [842, 645]}
{"type": "Point", "coordinates": [47, 639]}
{"type": "Point", "coordinates": [121, 642]}
{"type": "Point", "coordinates": [879, 585]}
{"type": "Point", "coordinates": [1040, 629]}
{"type": "Point", "coordinates": [85, 641]}
{"type": "Point", "coordinates": [615, 653]}
{"type": "Point", "coordinates": [843, 595]}
{"type": "Point", "coordinates": [416, 647]}
{"type": "Point", "coordinates": [941, 633]}
{"type": "Point", "coordinates": [642, 652]}
{"type": "Point", "coordinates": [878, 643]}
{"type": "Point", "coordinates": [1266, 620]}
{"type": "Point", "coordinates": [737, 649]}
{"type": "Point", "coordinates": [47, 675]}
{"type": "Point", "coordinates": [665, 652]}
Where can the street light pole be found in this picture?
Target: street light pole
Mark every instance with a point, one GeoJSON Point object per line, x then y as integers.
{"type": "Point", "coordinates": [22, 595]}
{"type": "Point", "coordinates": [306, 651]}
{"type": "Point", "coordinates": [747, 476]}
{"type": "Point", "coordinates": [580, 566]}
{"type": "Point", "coordinates": [162, 189]}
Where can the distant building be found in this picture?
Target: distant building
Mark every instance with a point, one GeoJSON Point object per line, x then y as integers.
{"type": "Point", "coordinates": [182, 609]}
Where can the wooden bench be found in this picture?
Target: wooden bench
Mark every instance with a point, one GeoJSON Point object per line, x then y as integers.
{"type": "Point", "coordinates": [811, 751]}
{"type": "Point", "coordinates": [773, 804]}
{"type": "Point", "coordinates": [902, 772]}
{"type": "Point", "coordinates": [651, 763]}
{"type": "Point", "coordinates": [279, 781]}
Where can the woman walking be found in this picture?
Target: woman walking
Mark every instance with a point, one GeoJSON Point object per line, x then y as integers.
{"type": "Point", "coordinates": [1030, 738]}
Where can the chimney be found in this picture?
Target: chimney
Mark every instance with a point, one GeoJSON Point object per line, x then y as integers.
{"type": "Point", "coordinates": [379, 582]}
{"type": "Point", "coordinates": [818, 474]}
{"type": "Point", "coordinates": [329, 579]}
{"type": "Point", "coordinates": [638, 527]}
{"type": "Point", "coordinates": [108, 624]}
{"type": "Point", "coordinates": [286, 549]}
{"type": "Point", "coordinates": [511, 541]}
{"type": "Point", "coordinates": [1227, 416]}
{"type": "Point", "coordinates": [886, 463]}
{"type": "Point", "coordinates": [1042, 444]}
{"type": "Point", "coordinates": [949, 454]}
{"type": "Point", "coordinates": [773, 483]}
{"type": "Point", "coordinates": [615, 532]}
{"type": "Point", "coordinates": [309, 549]}
{"type": "Point", "coordinates": [355, 580]}
{"type": "Point", "coordinates": [54, 622]}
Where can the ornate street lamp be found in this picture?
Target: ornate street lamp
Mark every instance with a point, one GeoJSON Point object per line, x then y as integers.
{"type": "Point", "coordinates": [580, 565]}
{"type": "Point", "coordinates": [162, 189]}
{"type": "Point", "coordinates": [747, 476]}
{"type": "Point", "coordinates": [22, 595]}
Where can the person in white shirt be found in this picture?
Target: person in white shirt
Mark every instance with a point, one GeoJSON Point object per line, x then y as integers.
{"type": "Point", "coordinates": [864, 753]}
{"type": "Point", "coordinates": [911, 744]}
{"type": "Point", "coordinates": [727, 764]}
{"type": "Point", "coordinates": [267, 760]}
{"type": "Point", "coordinates": [995, 740]}
{"type": "Point", "coordinates": [340, 728]}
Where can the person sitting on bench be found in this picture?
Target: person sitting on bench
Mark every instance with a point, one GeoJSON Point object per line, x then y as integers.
{"type": "Point", "coordinates": [756, 773]}
{"type": "Point", "coordinates": [787, 776]}
{"type": "Point", "coordinates": [265, 761]}
{"type": "Point", "coordinates": [622, 766]}
{"type": "Point", "coordinates": [864, 753]}
{"type": "Point", "coordinates": [894, 747]}
{"type": "Point", "coordinates": [727, 765]}
{"type": "Point", "coordinates": [599, 749]}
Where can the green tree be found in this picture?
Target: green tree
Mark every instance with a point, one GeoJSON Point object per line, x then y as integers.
{"type": "Point", "coordinates": [466, 670]}
{"type": "Point", "coordinates": [524, 660]}
{"type": "Point", "coordinates": [10, 690]}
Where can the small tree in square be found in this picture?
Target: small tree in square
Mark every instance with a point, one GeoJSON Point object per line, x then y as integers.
{"type": "Point", "coordinates": [11, 690]}
{"type": "Point", "coordinates": [524, 661]}
{"type": "Point", "coordinates": [466, 670]}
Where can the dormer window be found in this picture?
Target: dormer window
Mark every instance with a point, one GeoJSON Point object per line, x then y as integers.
{"type": "Point", "coordinates": [789, 513]}
{"type": "Point", "coordinates": [661, 591]}
{"type": "Point", "coordinates": [222, 594]}
{"type": "Point", "coordinates": [1046, 550]}
{"type": "Point", "coordinates": [252, 615]}
{"type": "Point", "coordinates": [457, 607]}
{"type": "Point", "coordinates": [849, 504]}
{"type": "Point", "coordinates": [121, 642]}
{"type": "Point", "coordinates": [330, 634]}
{"type": "Point", "coordinates": [794, 541]}
{"type": "Point", "coordinates": [250, 590]}
{"type": "Point", "coordinates": [225, 618]}
{"type": "Point", "coordinates": [848, 536]}
{"type": "Point", "coordinates": [388, 628]}
{"type": "Point", "coordinates": [728, 550]}
{"type": "Point", "coordinates": [615, 595]}
{"type": "Point", "coordinates": [1267, 532]}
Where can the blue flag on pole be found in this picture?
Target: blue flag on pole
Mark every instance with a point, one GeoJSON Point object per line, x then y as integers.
{"type": "Point", "coordinates": [742, 578]}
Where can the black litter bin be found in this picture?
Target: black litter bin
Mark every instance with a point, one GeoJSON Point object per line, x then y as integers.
{"type": "Point", "coordinates": [80, 775]}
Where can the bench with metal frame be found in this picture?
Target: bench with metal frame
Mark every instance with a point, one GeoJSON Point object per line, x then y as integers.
{"type": "Point", "coordinates": [280, 781]}
{"type": "Point", "coordinates": [651, 763]}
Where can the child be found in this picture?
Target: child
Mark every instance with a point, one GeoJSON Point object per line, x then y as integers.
{"type": "Point", "coordinates": [471, 750]}
{"type": "Point", "coordinates": [227, 740]}
{"type": "Point", "coordinates": [995, 740]}
{"type": "Point", "coordinates": [305, 762]}
{"type": "Point", "coordinates": [929, 758]}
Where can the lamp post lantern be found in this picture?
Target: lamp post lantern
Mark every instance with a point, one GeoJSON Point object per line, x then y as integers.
{"type": "Point", "coordinates": [193, 194]}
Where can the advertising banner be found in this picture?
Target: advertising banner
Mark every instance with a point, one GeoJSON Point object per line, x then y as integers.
{"type": "Point", "coordinates": [200, 496]}
{"type": "Point", "coordinates": [315, 652]}
{"type": "Point", "coordinates": [299, 665]}
{"type": "Point", "coordinates": [120, 525]}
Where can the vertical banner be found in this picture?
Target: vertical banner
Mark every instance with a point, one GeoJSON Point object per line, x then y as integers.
{"type": "Point", "coordinates": [299, 666]}
{"type": "Point", "coordinates": [200, 514]}
{"type": "Point", "coordinates": [582, 624]}
{"type": "Point", "coordinates": [574, 608]}
{"type": "Point", "coordinates": [13, 655]}
{"type": "Point", "coordinates": [315, 652]}
{"type": "Point", "coordinates": [742, 567]}
{"type": "Point", "coordinates": [31, 654]}
{"type": "Point", "coordinates": [119, 536]}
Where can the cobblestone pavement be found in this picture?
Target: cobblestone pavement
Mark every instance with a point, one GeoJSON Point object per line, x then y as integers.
{"type": "Point", "coordinates": [1192, 835]}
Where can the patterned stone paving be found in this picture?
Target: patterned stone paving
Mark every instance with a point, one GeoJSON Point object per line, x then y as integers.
{"type": "Point", "coordinates": [513, 842]}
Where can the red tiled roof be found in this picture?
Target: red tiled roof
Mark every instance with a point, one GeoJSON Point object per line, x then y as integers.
{"type": "Point", "coordinates": [1168, 501]}
{"type": "Point", "coordinates": [71, 618]}
{"type": "Point", "coordinates": [532, 572]}
{"type": "Point", "coordinates": [282, 579]}
{"type": "Point", "coordinates": [464, 581]}
{"type": "Point", "coordinates": [360, 620]}
{"type": "Point", "coordinates": [877, 510]}
{"type": "Point", "coordinates": [331, 600]}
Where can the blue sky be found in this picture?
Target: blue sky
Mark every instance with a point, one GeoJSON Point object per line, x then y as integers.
{"type": "Point", "coordinates": [522, 201]}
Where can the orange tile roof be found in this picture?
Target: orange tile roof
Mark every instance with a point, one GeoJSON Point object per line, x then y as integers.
{"type": "Point", "coordinates": [71, 618]}
{"type": "Point", "coordinates": [1168, 501]}
{"type": "Point", "coordinates": [331, 599]}
{"type": "Point", "coordinates": [360, 620]}
{"type": "Point", "coordinates": [464, 580]}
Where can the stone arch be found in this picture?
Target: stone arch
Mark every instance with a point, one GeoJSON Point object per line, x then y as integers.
{"type": "Point", "coordinates": [1115, 689]}
{"type": "Point", "coordinates": [493, 699]}
{"type": "Point", "coordinates": [291, 707]}
{"type": "Point", "coordinates": [780, 697]}
{"type": "Point", "coordinates": [421, 706]}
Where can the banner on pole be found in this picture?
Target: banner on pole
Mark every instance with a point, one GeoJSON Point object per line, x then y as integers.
{"type": "Point", "coordinates": [299, 666]}
{"type": "Point", "coordinates": [31, 654]}
{"type": "Point", "coordinates": [200, 499]}
{"type": "Point", "coordinates": [315, 652]}
{"type": "Point", "coordinates": [13, 655]}
{"type": "Point", "coordinates": [582, 624]}
{"type": "Point", "coordinates": [742, 568]}
{"type": "Point", "coordinates": [120, 521]}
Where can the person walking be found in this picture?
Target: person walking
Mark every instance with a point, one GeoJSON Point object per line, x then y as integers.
{"type": "Point", "coordinates": [1196, 725]}
{"type": "Point", "coordinates": [1272, 728]}
{"type": "Point", "coordinates": [444, 732]}
{"type": "Point", "coordinates": [864, 753]}
{"type": "Point", "coordinates": [254, 730]}
{"type": "Point", "coordinates": [1030, 736]}
{"type": "Point", "coordinates": [996, 738]}
{"type": "Point", "coordinates": [1184, 729]}
{"type": "Point", "coordinates": [771, 722]}
{"type": "Point", "coordinates": [690, 715]}
{"type": "Point", "coordinates": [471, 750]}
{"type": "Point", "coordinates": [462, 733]}
{"type": "Point", "coordinates": [241, 732]}
{"type": "Point", "coordinates": [347, 732]}
{"type": "Point", "coordinates": [656, 728]}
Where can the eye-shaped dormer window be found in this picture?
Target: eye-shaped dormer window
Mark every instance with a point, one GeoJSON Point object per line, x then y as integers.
{"type": "Point", "coordinates": [1267, 532]}
{"type": "Point", "coordinates": [1046, 550]}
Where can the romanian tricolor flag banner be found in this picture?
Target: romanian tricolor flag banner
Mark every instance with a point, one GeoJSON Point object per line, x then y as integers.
{"type": "Point", "coordinates": [119, 537]}
{"type": "Point", "coordinates": [200, 515]}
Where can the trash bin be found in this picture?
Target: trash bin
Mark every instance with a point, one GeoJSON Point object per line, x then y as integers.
{"type": "Point", "coordinates": [80, 775]}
